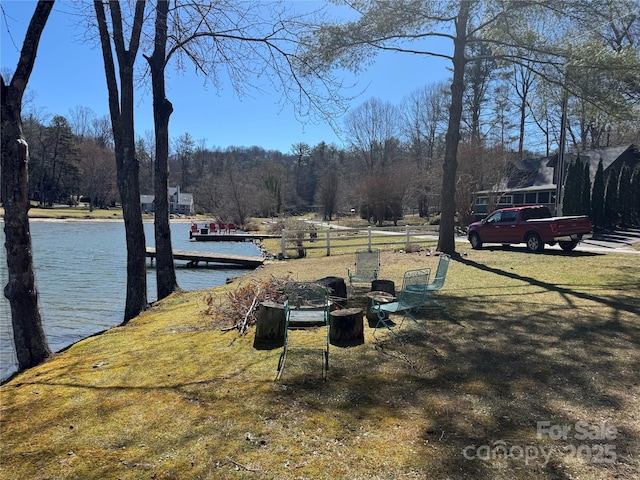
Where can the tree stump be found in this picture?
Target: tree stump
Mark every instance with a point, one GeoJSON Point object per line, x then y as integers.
{"type": "Point", "coordinates": [346, 327]}
{"type": "Point", "coordinates": [378, 286]}
{"type": "Point", "coordinates": [384, 286]}
{"type": "Point", "coordinates": [270, 325]}
{"type": "Point", "coordinates": [337, 289]}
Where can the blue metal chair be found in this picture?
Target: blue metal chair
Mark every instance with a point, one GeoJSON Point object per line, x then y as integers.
{"type": "Point", "coordinates": [408, 301]}
{"type": "Point", "coordinates": [441, 275]}
{"type": "Point", "coordinates": [306, 307]}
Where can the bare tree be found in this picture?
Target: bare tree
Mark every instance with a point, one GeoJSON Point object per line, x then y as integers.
{"type": "Point", "coordinates": [102, 132]}
{"type": "Point", "coordinates": [424, 120]}
{"type": "Point", "coordinates": [98, 172]}
{"type": "Point", "coordinates": [424, 115]}
{"type": "Point", "coordinates": [523, 82]}
{"type": "Point", "coordinates": [373, 130]}
{"type": "Point", "coordinates": [121, 102]}
{"type": "Point", "coordinates": [28, 334]}
{"type": "Point", "coordinates": [80, 119]}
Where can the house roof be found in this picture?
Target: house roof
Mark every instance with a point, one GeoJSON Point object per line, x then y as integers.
{"type": "Point", "coordinates": [630, 158]}
{"type": "Point", "coordinates": [608, 155]}
{"type": "Point", "coordinates": [530, 172]}
{"type": "Point", "coordinates": [539, 172]}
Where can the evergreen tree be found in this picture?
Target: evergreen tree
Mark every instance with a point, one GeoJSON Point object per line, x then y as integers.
{"type": "Point", "coordinates": [611, 202]}
{"type": "Point", "coordinates": [597, 199]}
{"type": "Point", "coordinates": [625, 196]}
{"type": "Point", "coordinates": [571, 201]}
{"type": "Point", "coordinates": [635, 188]}
{"type": "Point", "coordinates": [585, 202]}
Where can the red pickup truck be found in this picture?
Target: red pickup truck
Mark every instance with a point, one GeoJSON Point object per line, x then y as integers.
{"type": "Point", "coordinates": [533, 226]}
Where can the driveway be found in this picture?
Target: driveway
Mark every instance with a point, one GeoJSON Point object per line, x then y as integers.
{"type": "Point", "coordinates": [619, 241]}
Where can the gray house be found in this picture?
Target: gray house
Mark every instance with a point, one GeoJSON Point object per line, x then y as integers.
{"type": "Point", "coordinates": [179, 203]}
{"type": "Point", "coordinates": [533, 181]}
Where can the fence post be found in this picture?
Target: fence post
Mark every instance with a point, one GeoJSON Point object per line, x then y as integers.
{"type": "Point", "coordinates": [284, 242]}
{"type": "Point", "coordinates": [407, 242]}
{"type": "Point", "coordinates": [328, 242]}
{"type": "Point", "coordinates": [369, 235]}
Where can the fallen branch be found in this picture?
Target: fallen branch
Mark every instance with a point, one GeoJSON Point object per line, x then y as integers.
{"type": "Point", "coordinates": [245, 323]}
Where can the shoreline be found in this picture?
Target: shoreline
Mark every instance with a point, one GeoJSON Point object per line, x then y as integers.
{"type": "Point", "coordinates": [105, 219]}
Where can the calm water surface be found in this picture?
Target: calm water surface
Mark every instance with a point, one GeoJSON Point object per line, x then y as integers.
{"type": "Point", "coordinates": [81, 278]}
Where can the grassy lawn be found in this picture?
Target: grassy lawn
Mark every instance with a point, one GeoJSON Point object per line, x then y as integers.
{"type": "Point", "coordinates": [520, 339]}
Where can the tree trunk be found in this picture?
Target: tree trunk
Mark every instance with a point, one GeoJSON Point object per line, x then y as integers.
{"type": "Point", "coordinates": [378, 287]}
{"type": "Point", "coordinates": [162, 109]}
{"type": "Point", "coordinates": [28, 334]}
{"type": "Point", "coordinates": [346, 327]}
{"type": "Point", "coordinates": [446, 238]}
{"type": "Point", "coordinates": [121, 110]}
{"type": "Point", "coordinates": [270, 326]}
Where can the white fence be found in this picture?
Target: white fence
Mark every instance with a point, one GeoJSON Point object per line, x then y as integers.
{"type": "Point", "coordinates": [355, 238]}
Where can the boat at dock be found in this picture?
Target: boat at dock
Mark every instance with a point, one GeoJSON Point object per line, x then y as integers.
{"type": "Point", "coordinates": [221, 232]}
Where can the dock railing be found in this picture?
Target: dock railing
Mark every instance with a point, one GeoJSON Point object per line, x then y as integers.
{"type": "Point", "coordinates": [355, 238]}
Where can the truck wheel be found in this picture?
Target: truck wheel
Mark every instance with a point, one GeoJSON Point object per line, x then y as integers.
{"type": "Point", "coordinates": [534, 243]}
{"type": "Point", "coordinates": [475, 241]}
{"type": "Point", "coordinates": [568, 246]}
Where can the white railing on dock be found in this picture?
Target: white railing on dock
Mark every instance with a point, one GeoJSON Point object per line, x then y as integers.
{"type": "Point", "coordinates": [371, 237]}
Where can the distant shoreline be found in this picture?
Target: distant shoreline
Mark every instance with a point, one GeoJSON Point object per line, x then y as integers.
{"type": "Point", "coordinates": [105, 219]}
{"type": "Point", "coordinates": [40, 215]}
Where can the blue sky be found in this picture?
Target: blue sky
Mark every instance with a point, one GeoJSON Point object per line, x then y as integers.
{"type": "Point", "coordinates": [70, 73]}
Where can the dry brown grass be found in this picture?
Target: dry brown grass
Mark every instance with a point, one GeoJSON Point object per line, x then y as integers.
{"type": "Point", "coordinates": [522, 338]}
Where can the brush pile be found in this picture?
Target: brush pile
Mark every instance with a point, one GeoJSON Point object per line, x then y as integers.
{"type": "Point", "coordinates": [240, 306]}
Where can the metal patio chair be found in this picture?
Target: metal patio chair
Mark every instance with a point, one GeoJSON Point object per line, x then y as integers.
{"type": "Point", "coordinates": [408, 301]}
{"type": "Point", "coordinates": [366, 267]}
{"type": "Point", "coordinates": [307, 308]}
{"type": "Point", "coordinates": [441, 275]}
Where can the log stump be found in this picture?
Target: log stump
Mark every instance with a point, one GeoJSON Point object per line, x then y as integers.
{"type": "Point", "coordinates": [384, 286]}
{"type": "Point", "coordinates": [337, 289]}
{"type": "Point", "coordinates": [372, 317]}
{"type": "Point", "coordinates": [270, 325]}
{"type": "Point", "coordinates": [346, 327]}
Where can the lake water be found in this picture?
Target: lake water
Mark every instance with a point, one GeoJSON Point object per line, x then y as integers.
{"type": "Point", "coordinates": [81, 278]}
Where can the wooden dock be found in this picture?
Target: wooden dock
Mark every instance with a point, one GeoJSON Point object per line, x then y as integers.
{"type": "Point", "coordinates": [218, 259]}
{"type": "Point", "coordinates": [230, 237]}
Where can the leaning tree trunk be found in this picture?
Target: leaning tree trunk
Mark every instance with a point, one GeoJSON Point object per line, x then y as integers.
{"type": "Point", "coordinates": [446, 238]}
{"type": "Point", "coordinates": [162, 109]}
{"type": "Point", "coordinates": [28, 333]}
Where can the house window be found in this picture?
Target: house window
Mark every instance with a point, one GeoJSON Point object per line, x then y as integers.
{"type": "Point", "coordinates": [530, 198]}
{"type": "Point", "coordinates": [543, 197]}
{"type": "Point", "coordinates": [505, 200]}
{"type": "Point", "coordinates": [482, 200]}
{"type": "Point", "coordinates": [518, 198]}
